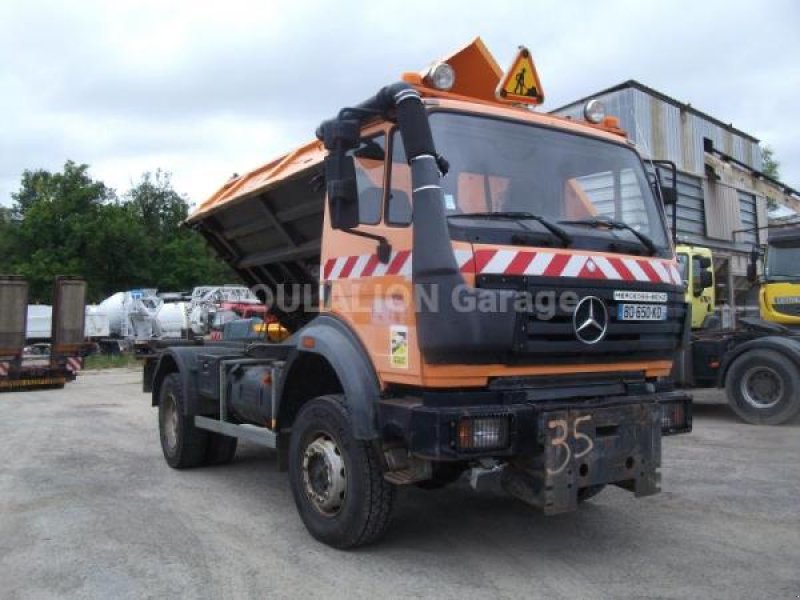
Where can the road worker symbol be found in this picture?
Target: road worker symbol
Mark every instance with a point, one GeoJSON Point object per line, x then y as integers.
{"type": "Point", "coordinates": [520, 88]}
{"type": "Point", "coordinates": [521, 82]}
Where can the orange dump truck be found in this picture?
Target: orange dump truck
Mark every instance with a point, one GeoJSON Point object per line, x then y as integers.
{"type": "Point", "coordinates": [466, 284]}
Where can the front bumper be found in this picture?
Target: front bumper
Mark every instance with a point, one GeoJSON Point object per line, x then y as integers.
{"type": "Point", "coordinates": [431, 432]}
{"type": "Point", "coordinates": [552, 449]}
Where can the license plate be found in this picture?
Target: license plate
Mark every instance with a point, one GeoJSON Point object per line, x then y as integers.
{"type": "Point", "coordinates": [641, 312]}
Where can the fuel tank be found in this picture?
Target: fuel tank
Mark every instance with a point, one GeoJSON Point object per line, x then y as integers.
{"type": "Point", "coordinates": [250, 397]}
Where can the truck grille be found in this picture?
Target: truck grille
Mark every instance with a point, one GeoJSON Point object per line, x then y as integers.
{"type": "Point", "coordinates": [554, 340]}
{"type": "Point", "coordinates": [787, 309]}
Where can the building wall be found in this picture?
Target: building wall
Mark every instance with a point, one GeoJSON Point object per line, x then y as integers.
{"type": "Point", "coordinates": [691, 210]}
{"type": "Point", "coordinates": [665, 131]}
{"type": "Point", "coordinates": [710, 212]}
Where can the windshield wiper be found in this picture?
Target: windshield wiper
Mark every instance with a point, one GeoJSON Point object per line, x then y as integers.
{"type": "Point", "coordinates": [518, 217]}
{"type": "Point", "coordinates": [612, 224]}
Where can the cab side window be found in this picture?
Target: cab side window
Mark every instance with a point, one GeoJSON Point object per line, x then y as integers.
{"type": "Point", "coordinates": [398, 200]}
{"type": "Point", "coordinates": [370, 159]}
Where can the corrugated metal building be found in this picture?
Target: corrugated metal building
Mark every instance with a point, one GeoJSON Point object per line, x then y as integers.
{"type": "Point", "coordinates": [716, 202]}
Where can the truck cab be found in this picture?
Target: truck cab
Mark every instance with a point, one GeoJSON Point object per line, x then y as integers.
{"type": "Point", "coordinates": [779, 295]}
{"type": "Point", "coordinates": [696, 266]}
{"type": "Point", "coordinates": [468, 284]}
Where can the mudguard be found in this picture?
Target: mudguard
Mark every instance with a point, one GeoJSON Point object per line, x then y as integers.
{"type": "Point", "coordinates": [183, 360]}
{"type": "Point", "coordinates": [787, 346]}
{"type": "Point", "coordinates": [336, 342]}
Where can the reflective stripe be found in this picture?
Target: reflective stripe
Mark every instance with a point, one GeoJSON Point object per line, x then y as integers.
{"type": "Point", "coordinates": [486, 261]}
{"type": "Point", "coordinates": [635, 269]}
{"type": "Point", "coordinates": [540, 262]}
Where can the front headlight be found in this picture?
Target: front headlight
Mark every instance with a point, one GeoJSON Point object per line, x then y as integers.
{"type": "Point", "coordinates": [483, 432]}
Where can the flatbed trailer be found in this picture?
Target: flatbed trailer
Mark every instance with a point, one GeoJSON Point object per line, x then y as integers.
{"type": "Point", "coordinates": [18, 372]}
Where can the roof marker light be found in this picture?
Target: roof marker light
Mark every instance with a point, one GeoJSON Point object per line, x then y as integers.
{"type": "Point", "coordinates": [441, 76]}
{"type": "Point", "coordinates": [594, 111]}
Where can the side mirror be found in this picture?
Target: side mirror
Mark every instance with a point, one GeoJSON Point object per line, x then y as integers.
{"type": "Point", "coordinates": [340, 136]}
{"type": "Point", "coordinates": [340, 175]}
{"type": "Point", "coordinates": [706, 280]}
{"type": "Point", "coordinates": [705, 262]}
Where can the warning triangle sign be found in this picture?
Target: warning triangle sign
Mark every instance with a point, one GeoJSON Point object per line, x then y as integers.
{"type": "Point", "coordinates": [521, 81]}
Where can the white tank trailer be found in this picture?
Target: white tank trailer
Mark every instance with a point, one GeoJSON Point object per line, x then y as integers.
{"type": "Point", "coordinates": [39, 324]}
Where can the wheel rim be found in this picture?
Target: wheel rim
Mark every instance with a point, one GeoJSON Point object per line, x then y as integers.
{"type": "Point", "coordinates": [324, 476]}
{"type": "Point", "coordinates": [762, 387]}
{"type": "Point", "coordinates": [169, 422]}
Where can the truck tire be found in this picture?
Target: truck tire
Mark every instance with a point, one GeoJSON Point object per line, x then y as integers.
{"type": "Point", "coordinates": [763, 387]}
{"type": "Point", "coordinates": [183, 444]}
{"type": "Point", "coordinates": [220, 449]}
{"type": "Point", "coordinates": [337, 481]}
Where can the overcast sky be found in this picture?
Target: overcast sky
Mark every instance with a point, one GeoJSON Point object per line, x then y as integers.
{"type": "Point", "coordinates": [205, 90]}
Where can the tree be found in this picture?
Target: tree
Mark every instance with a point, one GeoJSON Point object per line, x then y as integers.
{"type": "Point", "coordinates": [156, 204]}
{"type": "Point", "coordinates": [179, 257]}
{"type": "Point", "coordinates": [57, 217]}
{"type": "Point", "coordinates": [67, 223]}
{"type": "Point", "coordinates": [771, 168]}
{"type": "Point", "coordinates": [7, 244]}
{"type": "Point", "coordinates": [770, 165]}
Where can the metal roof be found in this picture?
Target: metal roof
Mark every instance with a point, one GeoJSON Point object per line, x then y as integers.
{"type": "Point", "coordinates": [632, 83]}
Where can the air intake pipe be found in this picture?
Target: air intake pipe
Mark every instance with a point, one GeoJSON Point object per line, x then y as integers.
{"type": "Point", "coordinates": [450, 326]}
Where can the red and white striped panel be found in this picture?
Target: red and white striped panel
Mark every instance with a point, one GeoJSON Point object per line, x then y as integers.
{"type": "Point", "coordinates": [367, 265]}
{"type": "Point", "coordinates": [516, 262]}
{"type": "Point", "coordinates": [4, 368]}
{"type": "Point", "coordinates": [74, 364]}
{"type": "Point", "coordinates": [565, 264]}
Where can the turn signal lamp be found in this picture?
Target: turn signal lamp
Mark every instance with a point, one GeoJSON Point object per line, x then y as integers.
{"type": "Point", "coordinates": [676, 416]}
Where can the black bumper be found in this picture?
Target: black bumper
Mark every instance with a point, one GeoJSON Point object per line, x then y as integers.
{"type": "Point", "coordinates": [552, 449]}
{"type": "Point", "coordinates": [430, 432]}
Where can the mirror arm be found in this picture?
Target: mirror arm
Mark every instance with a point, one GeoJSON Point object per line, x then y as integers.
{"type": "Point", "coordinates": [384, 251]}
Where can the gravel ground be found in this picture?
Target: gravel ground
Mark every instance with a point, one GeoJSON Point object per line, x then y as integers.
{"type": "Point", "coordinates": [89, 509]}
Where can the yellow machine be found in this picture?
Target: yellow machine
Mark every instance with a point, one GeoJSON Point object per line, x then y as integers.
{"type": "Point", "coordinates": [695, 264]}
{"type": "Point", "coordinates": [779, 295]}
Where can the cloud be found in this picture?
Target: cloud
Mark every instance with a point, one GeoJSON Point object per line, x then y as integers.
{"type": "Point", "coordinates": [203, 90]}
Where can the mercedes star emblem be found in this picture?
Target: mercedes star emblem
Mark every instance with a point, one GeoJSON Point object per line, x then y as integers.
{"type": "Point", "coordinates": [590, 320]}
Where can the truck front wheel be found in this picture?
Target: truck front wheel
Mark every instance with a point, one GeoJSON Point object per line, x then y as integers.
{"type": "Point", "coordinates": [184, 445]}
{"type": "Point", "coordinates": [337, 481]}
{"type": "Point", "coordinates": [763, 387]}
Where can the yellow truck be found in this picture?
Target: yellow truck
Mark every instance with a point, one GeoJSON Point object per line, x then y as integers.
{"type": "Point", "coordinates": [757, 361]}
{"type": "Point", "coordinates": [779, 291]}
{"type": "Point", "coordinates": [696, 267]}
{"type": "Point", "coordinates": [468, 284]}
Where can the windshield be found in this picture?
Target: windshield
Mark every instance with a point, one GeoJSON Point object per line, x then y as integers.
{"type": "Point", "coordinates": [783, 262]}
{"type": "Point", "coordinates": [499, 166]}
